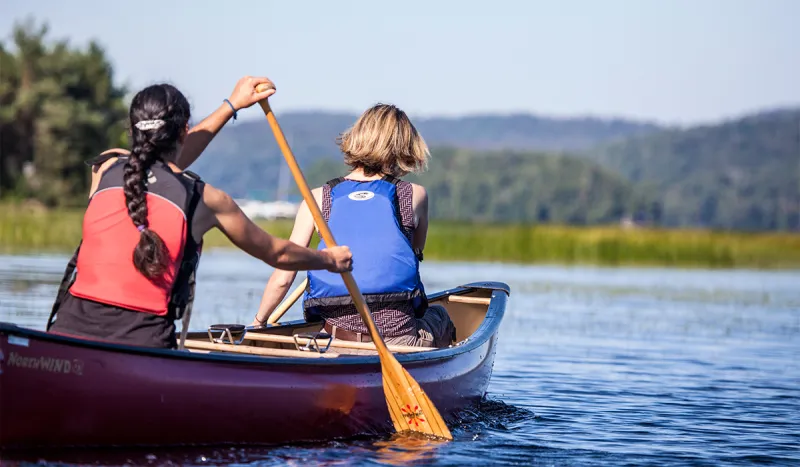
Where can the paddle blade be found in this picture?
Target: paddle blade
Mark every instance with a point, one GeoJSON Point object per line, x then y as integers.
{"type": "Point", "coordinates": [409, 406]}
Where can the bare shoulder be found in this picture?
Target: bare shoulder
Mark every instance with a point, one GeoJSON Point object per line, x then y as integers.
{"type": "Point", "coordinates": [317, 193]}
{"type": "Point", "coordinates": [419, 195]}
{"type": "Point", "coordinates": [418, 189]}
{"type": "Point", "coordinates": [97, 173]}
{"type": "Point", "coordinates": [217, 200]}
{"type": "Point", "coordinates": [215, 207]}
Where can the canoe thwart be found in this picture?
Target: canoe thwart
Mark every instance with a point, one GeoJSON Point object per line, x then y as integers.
{"type": "Point", "coordinates": [250, 350]}
{"type": "Point", "coordinates": [488, 285]}
{"type": "Point", "coordinates": [274, 338]}
{"type": "Point", "coordinates": [470, 300]}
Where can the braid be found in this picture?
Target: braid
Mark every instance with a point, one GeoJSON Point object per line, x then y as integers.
{"type": "Point", "coordinates": [164, 104]}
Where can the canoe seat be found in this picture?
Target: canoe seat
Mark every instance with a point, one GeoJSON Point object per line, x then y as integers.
{"type": "Point", "coordinates": [311, 341]}
{"type": "Point", "coordinates": [228, 333]}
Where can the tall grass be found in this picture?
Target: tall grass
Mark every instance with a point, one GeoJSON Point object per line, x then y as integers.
{"type": "Point", "coordinates": [613, 246]}
{"type": "Point", "coordinates": [35, 231]}
{"type": "Point", "coordinates": [26, 229]}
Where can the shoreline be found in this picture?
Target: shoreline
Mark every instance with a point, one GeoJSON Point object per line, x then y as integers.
{"type": "Point", "coordinates": [26, 231]}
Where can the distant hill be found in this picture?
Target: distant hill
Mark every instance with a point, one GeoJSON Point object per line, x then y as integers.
{"type": "Point", "coordinates": [519, 187]}
{"type": "Point", "coordinates": [244, 158]}
{"type": "Point", "coordinates": [740, 174]}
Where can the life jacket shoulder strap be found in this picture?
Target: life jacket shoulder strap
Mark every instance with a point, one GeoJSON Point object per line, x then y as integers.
{"type": "Point", "coordinates": [396, 201]}
{"type": "Point", "coordinates": [183, 292]}
{"type": "Point", "coordinates": [393, 180]}
{"type": "Point", "coordinates": [386, 178]}
{"type": "Point", "coordinates": [334, 181]}
{"type": "Point", "coordinates": [66, 283]}
{"type": "Point", "coordinates": [101, 158]}
{"type": "Point", "coordinates": [193, 176]}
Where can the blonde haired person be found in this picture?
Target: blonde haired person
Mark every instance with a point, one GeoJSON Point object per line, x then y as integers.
{"type": "Point", "coordinates": [384, 221]}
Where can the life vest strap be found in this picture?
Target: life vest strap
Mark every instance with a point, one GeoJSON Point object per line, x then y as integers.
{"type": "Point", "coordinates": [368, 298]}
{"type": "Point", "coordinates": [66, 283]}
{"type": "Point", "coordinates": [386, 178]}
{"type": "Point", "coordinates": [100, 159]}
{"type": "Point", "coordinates": [183, 293]}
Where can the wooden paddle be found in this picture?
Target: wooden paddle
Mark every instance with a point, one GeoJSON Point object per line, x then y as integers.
{"type": "Point", "coordinates": [409, 406]}
{"type": "Point", "coordinates": [278, 312]}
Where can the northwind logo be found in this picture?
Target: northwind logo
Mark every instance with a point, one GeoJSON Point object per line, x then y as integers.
{"type": "Point", "coordinates": [53, 365]}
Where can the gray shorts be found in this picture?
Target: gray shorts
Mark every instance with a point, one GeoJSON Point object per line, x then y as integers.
{"type": "Point", "coordinates": [434, 329]}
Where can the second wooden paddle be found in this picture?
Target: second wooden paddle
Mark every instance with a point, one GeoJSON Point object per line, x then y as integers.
{"type": "Point", "coordinates": [409, 406]}
{"type": "Point", "coordinates": [278, 312]}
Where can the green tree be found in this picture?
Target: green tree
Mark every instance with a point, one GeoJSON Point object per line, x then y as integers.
{"type": "Point", "coordinates": [60, 106]}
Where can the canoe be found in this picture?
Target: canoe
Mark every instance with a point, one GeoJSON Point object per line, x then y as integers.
{"type": "Point", "coordinates": [233, 385]}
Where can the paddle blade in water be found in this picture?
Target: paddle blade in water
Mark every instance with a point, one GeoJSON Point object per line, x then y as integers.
{"type": "Point", "coordinates": [409, 406]}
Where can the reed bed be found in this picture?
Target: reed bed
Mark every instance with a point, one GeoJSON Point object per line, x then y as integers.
{"type": "Point", "coordinates": [35, 231]}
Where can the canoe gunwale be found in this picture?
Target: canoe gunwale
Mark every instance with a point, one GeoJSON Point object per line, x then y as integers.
{"type": "Point", "coordinates": [488, 327]}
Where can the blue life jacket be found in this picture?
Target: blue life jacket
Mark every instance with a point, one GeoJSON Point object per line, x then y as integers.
{"type": "Point", "coordinates": [365, 216]}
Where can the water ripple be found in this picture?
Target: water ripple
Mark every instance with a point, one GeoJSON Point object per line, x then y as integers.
{"type": "Point", "coordinates": [594, 367]}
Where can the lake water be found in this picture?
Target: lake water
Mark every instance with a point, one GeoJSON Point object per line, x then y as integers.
{"type": "Point", "coordinates": [594, 367]}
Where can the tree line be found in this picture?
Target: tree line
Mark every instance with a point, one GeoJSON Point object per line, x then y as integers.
{"type": "Point", "coordinates": [59, 105]}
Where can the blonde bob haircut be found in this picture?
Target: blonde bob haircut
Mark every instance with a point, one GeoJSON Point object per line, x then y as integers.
{"type": "Point", "coordinates": [383, 141]}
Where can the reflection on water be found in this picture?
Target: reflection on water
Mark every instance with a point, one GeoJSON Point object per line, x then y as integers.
{"type": "Point", "coordinates": [594, 366]}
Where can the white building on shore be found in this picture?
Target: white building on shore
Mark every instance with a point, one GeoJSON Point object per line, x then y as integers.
{"type": "Point", "coordinates": [268, 209]}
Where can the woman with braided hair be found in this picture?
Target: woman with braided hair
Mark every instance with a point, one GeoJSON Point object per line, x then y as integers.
{"type": "Point", "coordinates": [144, 225]}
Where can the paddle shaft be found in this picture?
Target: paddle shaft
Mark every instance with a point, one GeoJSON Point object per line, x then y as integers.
{"type": "Point", "coordinates": [278, 312]}
{"type": "Point", "coordinates": [325, 232]}
{"type": "Point", "coordinates": [187, 316]}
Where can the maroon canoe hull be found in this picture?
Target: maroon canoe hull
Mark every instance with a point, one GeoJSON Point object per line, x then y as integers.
{"type": "Point", "coordinates": [60, 391]}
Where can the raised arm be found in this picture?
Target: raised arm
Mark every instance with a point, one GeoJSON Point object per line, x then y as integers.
{"type": "Point", "coordinates": [280, 281]}
{"type": "Point", "coordinates": [277, 252]}
{"type": "Point", "coordinates": [243, 96]}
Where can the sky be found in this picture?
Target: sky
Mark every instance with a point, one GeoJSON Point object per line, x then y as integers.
{"type": "Point", "coordinates": [677, 62]}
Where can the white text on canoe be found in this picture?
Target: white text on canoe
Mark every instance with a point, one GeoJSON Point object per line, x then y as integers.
{"type": "Point", "coordinates": [53, 365]}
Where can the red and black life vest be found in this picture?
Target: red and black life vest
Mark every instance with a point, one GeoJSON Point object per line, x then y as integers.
{"type": "Point", "coordinates": [103, 263]}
